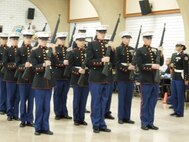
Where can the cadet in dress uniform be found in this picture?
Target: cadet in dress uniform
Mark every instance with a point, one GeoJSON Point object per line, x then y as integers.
{"type": "Point", "coordinates": [124, 56]}
{"type": "Point", "coordinates": [108, 113]}
{"type": "Point", "coordinates": [179, 80]}
{"type": "Point", "coordinates": [99, 84]}
{"type": "Point", "coordinates": [42, 87]}
{"type": "Point", "coordinates": [11, 86]}
{"type": "Point", "coordinates": [80, 30]}
{"type": "Point", "coordinates": [76, 61]}
{"type": "Point", "coordinates": [3, 46]}
{"type": "Point", "coordinates": [146, 58]}
{"type": "Point", "coordinates": [62, 83]}
{"type": "Point", "coordinates": [25, 90]}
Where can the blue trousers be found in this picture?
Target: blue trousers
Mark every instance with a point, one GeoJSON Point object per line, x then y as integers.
{"type": "Point", "coordinates": [100, 95]}
{"type": "Point", "coordinates": [177, 93]}
{"type": "Point", "coordinates": [42, 102]}
{"type": "Point", "coordinates": [60, 97]}
{"type": "Point", "coordinates": [108, 106]}
{"type": "Point", "coordinates": [149, 98]}
{"type": "Point", "coordinates": [12, 99]}
{"type": "Point", "coordinates": [79, 102]}
{"type": "Point", "coordinates": [26, 102]}
{"type": "Point", "coordinates": [3, 95]}
{"type": "Point", "coordinates": [125, 94]}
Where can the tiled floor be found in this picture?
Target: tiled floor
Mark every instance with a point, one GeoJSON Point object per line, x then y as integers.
{"type": "Point", "coordinates": [172, 129]}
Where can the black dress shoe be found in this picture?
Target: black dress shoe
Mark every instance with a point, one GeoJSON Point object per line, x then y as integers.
{"type": "Point", "coordinates": [57, 117]}
{"type": "Point", "coordinates": [16, 118]}
{"type": "Point", "coordinates": [105, 130]}
{"type": "Point", "coordinates": [153, 127]}
{"type": "Point", "coordinates": [96, 130]}
{"type": "Point", "coordinates": [48, 132]}
{"type": "Point", "coordinates": [173, 114]}
{"type": "Point", "coordinates": [120, 121]}
{"type": "Point", "coordinates": [144, 128]}
{"type": "Point", "coordinates": [30, 124]}
{"type": "Point", "coordinates": [67, 117]}
{"type": "Point", "coordinates": [109, 116]}
{"type": "Point", "coordinates": [129, 121]}
{"type": "Point", "coordinates": [9, 118]}
{"type": "Point", "coordinates": [178, 115]}
{"type": "Point", "coordinates": [76, 123]}
{"type": "Point", "coordinates": [37, 133]}
{"type": "Point", "coordinates": [83, 123]}
{"type": "Point", "coordinates": [22, 124]}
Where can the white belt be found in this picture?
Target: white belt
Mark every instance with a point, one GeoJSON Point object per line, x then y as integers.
{"type": "Point", "coordinates": [125, 64]}
{"type": "Point", "coordinates": [80, 67]}
{"type": "Point", "coordinates": [180, 71]}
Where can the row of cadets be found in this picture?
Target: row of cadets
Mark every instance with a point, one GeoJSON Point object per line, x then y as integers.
{"type": "Point", "coordinates": [41, 86]}
{"type": "Point", "coordinates": [179, 65]}
{"type": "Point", "coordinates": [80, 93]}
{"type": "Point", "coordinates": [11, 84]}
{"type": "Point", "coordinates": [3, 96]}
{"type": "Point", "coordinates": [24, 86]}
{"type": "Point", "coordinates": [100, 85]}
{"type": "Point", "coordinates": [125, 86]}
{"type": "Point", "coordinates": [62, 84]}
{"type": "Point", "coordinates": [146, 61]}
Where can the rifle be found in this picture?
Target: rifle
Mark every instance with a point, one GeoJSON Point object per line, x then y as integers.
{"type": "Point", "coordinates": [81, 81]}
{"type": "Point", "coordinates": [67, 68]}
{"type": "Point", "coordinates": [44, 28]}
{"type": "Point", "coordinates": [108, 50]}
{"type": "Point", "coordinates": [48, 73]}
{"type": "Point", "coordinates": [132, 72]}
{"type": "Point", "coordinates": [29, 26]}
{"type": "Point", "coordinates": [157, 75]}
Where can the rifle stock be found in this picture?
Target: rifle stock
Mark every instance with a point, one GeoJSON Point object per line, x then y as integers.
{"type": "Point", "coordinates": [81, 81]}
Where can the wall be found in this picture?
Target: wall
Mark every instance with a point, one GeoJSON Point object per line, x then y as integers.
{"type": "Point", "coordinates": [108, 12]}
{"type": "Point", "coordinates": [51, 9]}
{"type": "Point", "coordinates": [174, 30]}
{"type": "Point", "coordinates": [183, 4]}
{"type": "Point", "coordinates": [81, 9]}
{"type": "Point", "coordinates": [132, 6]}
{"type": "Point", "coordinates": [14, 15]}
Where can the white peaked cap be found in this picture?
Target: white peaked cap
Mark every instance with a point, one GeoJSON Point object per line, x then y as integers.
{"type": "Point", "coordinates": [79, 36]}
{"type": "Point", "coordinates": [42, 34]}
{"type": "Point", "coordinates": [61, 34]}
{"type": "Point", "coordinates": [125, 33]}
{"type": "Point", "coordinates": [101, 28]}
{"type": "Point", "coordinates": [28, 32]}
{"type": "Point", "coordinates": [180, 43]}
{"type": "Point", "coordinates": [4, 35]}
{"type": "Point", "coordinates": [14, 34]}
{"type": "Point", "coordinates": [147, 33]}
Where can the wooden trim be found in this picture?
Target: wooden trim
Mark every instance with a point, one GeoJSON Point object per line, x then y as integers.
{"type": "Point", "coordinates": [160, 12]}
{"type": "Point", "coordinates": [80, 19]}
{"type": "Point", "coordinates": [83, 19]}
